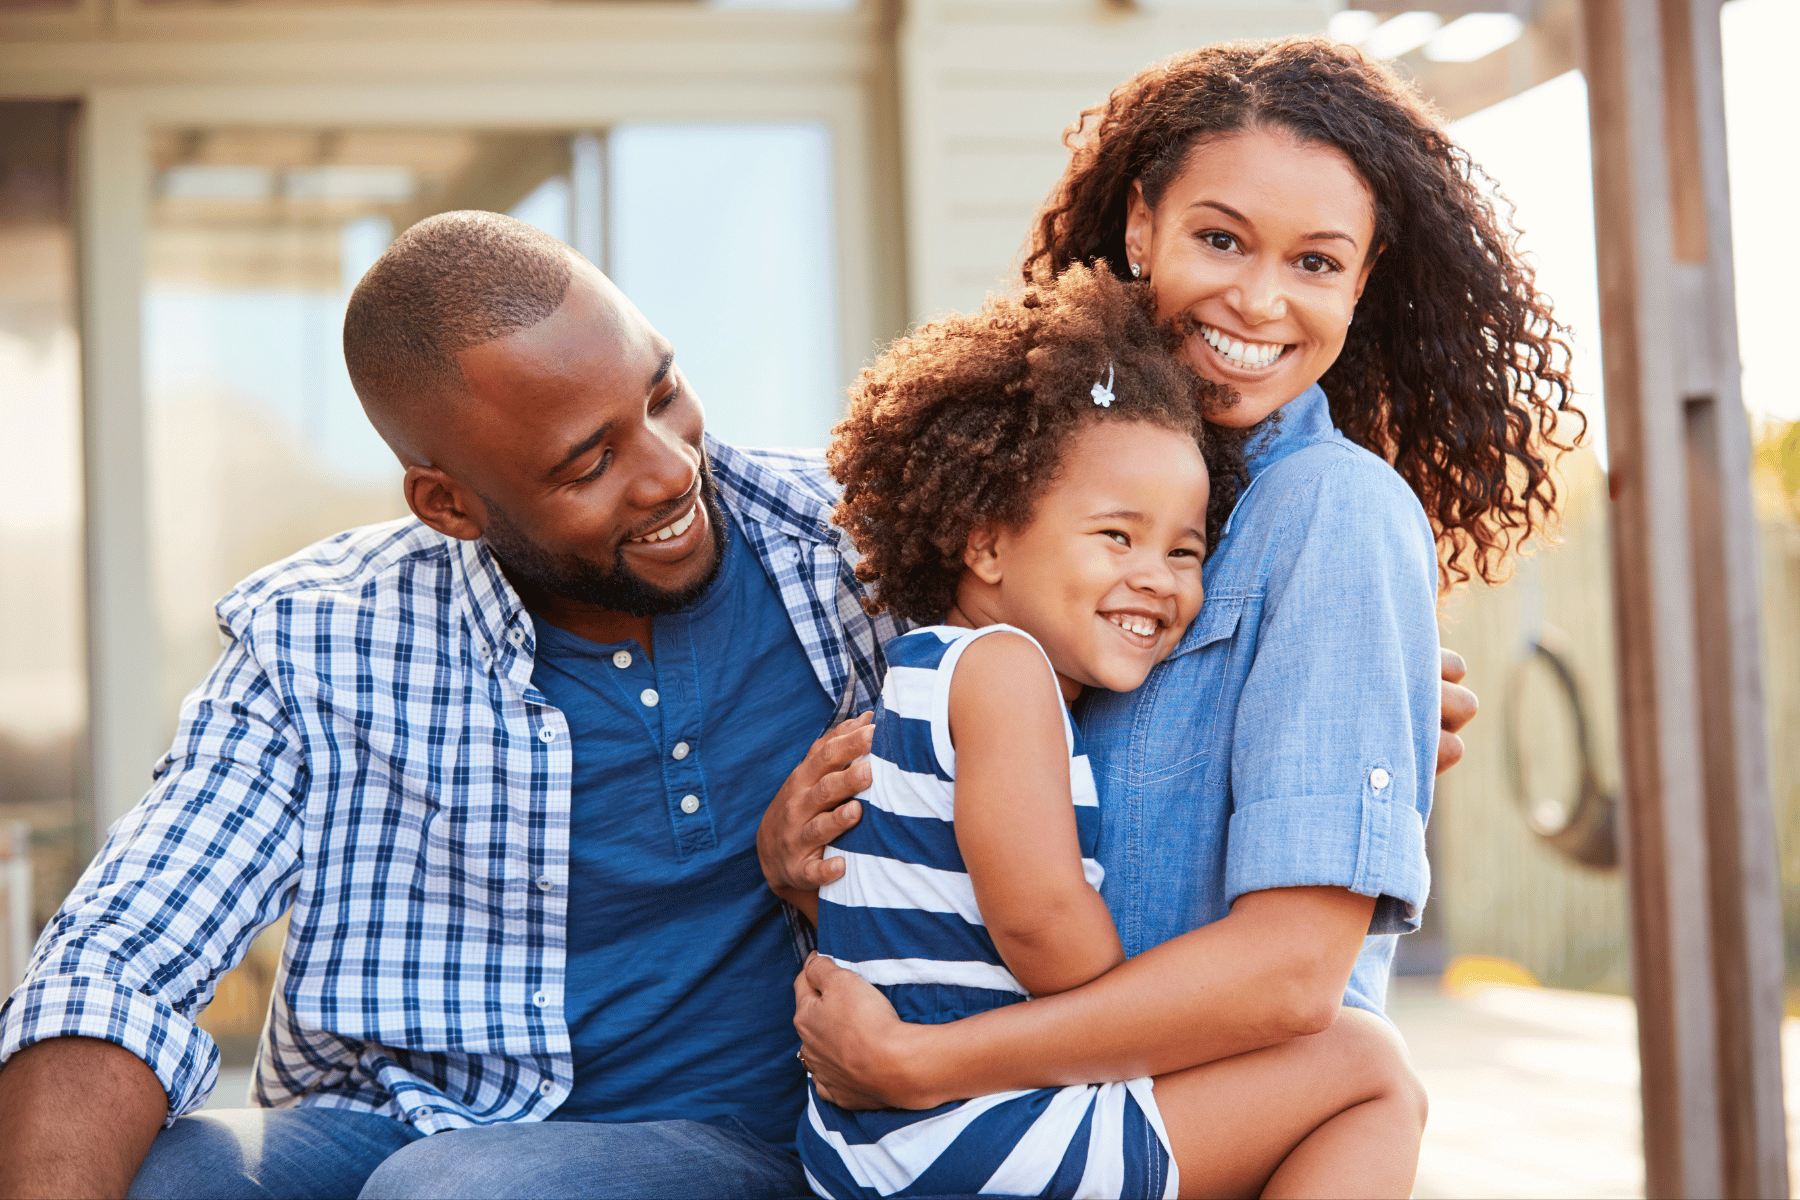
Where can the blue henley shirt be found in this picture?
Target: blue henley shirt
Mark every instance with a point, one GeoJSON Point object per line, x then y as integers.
{"type": "Point", "coordinates": [680, 963]}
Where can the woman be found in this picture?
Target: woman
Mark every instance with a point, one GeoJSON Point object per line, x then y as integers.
{"type": "Point", "coordinates": [1301, 215]}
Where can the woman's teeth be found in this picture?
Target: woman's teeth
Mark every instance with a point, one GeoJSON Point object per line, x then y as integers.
{"type": "Point", "coordinates": [674, 528]}
{"type": "Point", "coordinates": [1244, 354]}
{"type": "Point", "coordinates": [1142, 626]}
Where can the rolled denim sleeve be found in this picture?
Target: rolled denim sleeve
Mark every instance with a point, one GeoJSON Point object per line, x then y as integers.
{"type": "Point", "coordinates": [1336, 730]}
{"type": "Point", "coordinates": [184, 882]}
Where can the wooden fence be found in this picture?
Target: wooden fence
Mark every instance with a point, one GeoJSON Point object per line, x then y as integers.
{"type": "Point", "coordinates": [1499, 888]}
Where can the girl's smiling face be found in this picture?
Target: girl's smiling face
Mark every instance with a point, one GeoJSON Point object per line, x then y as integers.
{"type": "Point", "coordinates": [1106, 575]}
{"type": "Point", "coordinates": [1264, 240]}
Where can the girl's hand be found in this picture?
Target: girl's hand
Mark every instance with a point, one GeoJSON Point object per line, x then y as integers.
{"type": "Point", "coordinates": [852, 1041]}
{"type": "Point", "coordinates": [1459, 707]}
{"type": "Point", "coordinates": [812, 808]}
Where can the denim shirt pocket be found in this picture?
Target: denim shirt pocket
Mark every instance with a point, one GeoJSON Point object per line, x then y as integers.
{"type": "Point", "coordinates": [1182, 730]}
{"type": "Point", "coordinates": [1218, 620]}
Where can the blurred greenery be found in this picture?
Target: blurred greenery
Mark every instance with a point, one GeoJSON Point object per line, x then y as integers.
{"type": "Point", "coordinates": [1778, 456]}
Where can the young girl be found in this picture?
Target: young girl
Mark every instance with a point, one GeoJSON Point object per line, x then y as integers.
{"type": "Point", "coordinates": [1030, 483]}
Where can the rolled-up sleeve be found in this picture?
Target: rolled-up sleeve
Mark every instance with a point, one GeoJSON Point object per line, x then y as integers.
{"type": "Point", "coordinates": [184, 882]}
{"type": "Point", "coordinates": [1335, 738]}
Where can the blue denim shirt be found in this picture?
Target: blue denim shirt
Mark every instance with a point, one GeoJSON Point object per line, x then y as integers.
{"type": "Point", "coordinates": [1291, 738]}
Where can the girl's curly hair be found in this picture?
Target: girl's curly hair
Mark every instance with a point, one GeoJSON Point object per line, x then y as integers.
{"type": "Point", "coordinates": [1454, 371]}
{"type": "Point", "coordinates": [962, 424]}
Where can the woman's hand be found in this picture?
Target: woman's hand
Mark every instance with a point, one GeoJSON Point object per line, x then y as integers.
{"type": "Point", "coordinates": [852, 1041]}
{"type": "Point", "coordinates": [1459, 707]}
{"type": "Point", "coordinates": [812, 808]}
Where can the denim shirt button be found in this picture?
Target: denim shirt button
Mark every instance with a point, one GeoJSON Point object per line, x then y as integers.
{"type": "Point", "coordinates": [1379, 778]}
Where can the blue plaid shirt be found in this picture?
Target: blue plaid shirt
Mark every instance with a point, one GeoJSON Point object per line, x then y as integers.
{"type": "Point", "coordinates": [369, 756]}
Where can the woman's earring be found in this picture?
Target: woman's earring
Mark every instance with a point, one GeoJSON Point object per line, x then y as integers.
{"type": "Point", "coordinates": [1136, 271]}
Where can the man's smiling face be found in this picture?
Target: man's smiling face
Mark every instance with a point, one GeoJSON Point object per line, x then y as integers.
{"type": "Point", "coordinates": [576, 452]}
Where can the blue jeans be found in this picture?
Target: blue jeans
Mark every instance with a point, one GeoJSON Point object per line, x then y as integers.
{"type": "Point", "coordinates": [328, 1152]}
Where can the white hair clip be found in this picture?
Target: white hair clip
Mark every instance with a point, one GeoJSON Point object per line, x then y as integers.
{"type": "Point", "coordinates": [1102, 392]}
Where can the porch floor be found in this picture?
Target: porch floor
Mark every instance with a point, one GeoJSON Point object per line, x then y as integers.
{"type": "Point", "coordinates": [1534, 1092]}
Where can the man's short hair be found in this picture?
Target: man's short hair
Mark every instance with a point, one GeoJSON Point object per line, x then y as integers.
{"type": "Point", "coordinates": [452, 281]}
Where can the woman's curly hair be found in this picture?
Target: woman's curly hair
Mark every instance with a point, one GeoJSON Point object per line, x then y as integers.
{"type": "Point", "coordinates": [962, 424]}
{"type": "Point", "coordinates": [1454, 371]}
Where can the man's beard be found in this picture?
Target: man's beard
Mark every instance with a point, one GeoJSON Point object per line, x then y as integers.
{"type": "Point", "coordinates": [582, 580]}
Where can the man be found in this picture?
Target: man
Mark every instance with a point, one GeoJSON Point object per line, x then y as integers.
{"type": "Point", "coordinates": [503, 765]}
{"type": "Point", "coordinates": [506, 763]}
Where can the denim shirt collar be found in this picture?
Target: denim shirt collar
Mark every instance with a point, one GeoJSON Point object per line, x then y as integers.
{"type": "Point", "coordinates": [1301, 422]}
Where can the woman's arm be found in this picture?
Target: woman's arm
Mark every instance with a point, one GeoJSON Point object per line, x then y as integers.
{"type": "Point", "coordinates": [1273, 969]}
{"type": "Point", "coordinates": [1015, 821]}
{"type": "Point", "coordinates": [811, 810]}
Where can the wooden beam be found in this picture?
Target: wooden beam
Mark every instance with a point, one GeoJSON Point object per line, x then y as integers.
{"type": "Point", "coordinates": [1548, 47]}
{"type": "Point", "coordinates": [1706, 928]}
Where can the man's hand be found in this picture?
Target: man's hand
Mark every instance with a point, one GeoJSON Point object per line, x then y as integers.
{"type": "Point", "coordinates": [847, 1033]}
{"type": "Point", "coordinates": [813, 807]}
{"type": "Point", "coordinates": [77, 1116]}
{"type": "Point", "coordinates": [1459, 709]}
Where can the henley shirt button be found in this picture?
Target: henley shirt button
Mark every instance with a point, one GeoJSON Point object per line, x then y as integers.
{"type": "Point", "coordinates": [1379, 778]}
{"type": "Point", "coordinates": [649, 697]}
{"type": "Point", "coordinates": [690, 804]}
{"type": "Point", "coordinates": [540, 1000]}
{"type": "Point", "coordinates": [679, 752]}
{"type": "Point", "coordinates": [516, 636]}
{"type": "Point", "coordinates": [548, 734]}
{"type": "Point", "coordinates": [622, 659]}
{"type": "Point", "coordinates": [544, 883]}
{"type": "Point", "coordinates": [546, 1087]}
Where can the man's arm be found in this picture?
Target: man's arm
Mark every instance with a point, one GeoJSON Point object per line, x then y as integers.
{"type": "Point", "coordinates": [182, 885]}
{"type": "Point", "coordinates": [811, 810]}
{"type": "Point", "coordinates": [77, 1116]}
{"type": "Point", "coordinates": [1459, 706]}
{"type": "Point", "coordinates": [1273, 969]}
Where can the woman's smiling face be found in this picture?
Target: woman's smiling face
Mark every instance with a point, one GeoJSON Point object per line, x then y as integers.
{"type": "Point", "coordinates": [1264, 240]}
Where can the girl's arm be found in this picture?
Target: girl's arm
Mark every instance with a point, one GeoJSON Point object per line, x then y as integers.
{"type": "Point", "coordinates": [1015, 822]}
{"type": "Point", "coordinates": [1274, 969]}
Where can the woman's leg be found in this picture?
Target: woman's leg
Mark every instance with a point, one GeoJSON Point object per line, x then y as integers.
{"type": "Point", "coordinates": [1338, 1113]}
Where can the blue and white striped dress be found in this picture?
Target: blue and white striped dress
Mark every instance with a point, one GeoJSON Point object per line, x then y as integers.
{"type": "Point", "coordinates": [904, 918]}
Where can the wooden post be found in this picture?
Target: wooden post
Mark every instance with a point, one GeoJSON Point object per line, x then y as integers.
{"type": "Point", "coordinates": [1705, 897]}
